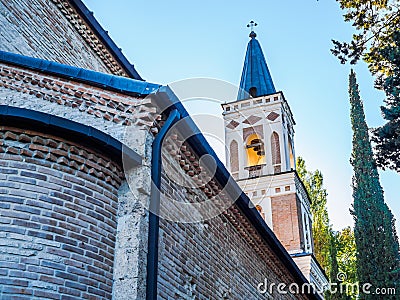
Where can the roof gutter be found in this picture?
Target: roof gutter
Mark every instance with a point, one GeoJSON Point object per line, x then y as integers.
{"type": "Point", "coordinates": [154, 219]}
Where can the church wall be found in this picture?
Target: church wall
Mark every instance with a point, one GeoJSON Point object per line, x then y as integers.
{"type": "Point", "coordinates": [224, 257]}
{"type": "Point", "coordinates": [58, 219]}
{"type": "Point", "coordinates": [112, 113]}
{"type": "Point", "coordinates": [38, 28]}
{"type": "Point", "coordinates": [220, 258]}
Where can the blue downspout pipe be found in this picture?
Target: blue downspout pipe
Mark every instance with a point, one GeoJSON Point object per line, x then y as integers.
{"type": "Point", "coordinates": [154, 219]}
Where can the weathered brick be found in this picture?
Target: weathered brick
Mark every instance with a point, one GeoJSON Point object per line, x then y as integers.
{"type": "Point", "coordinates": [75, 285]}
{"type": "Point", "coordinates": [51, 200]}
{"type": "Point", "coordinates": [17, 290]}
{"type": "Point", "coordinates": [65, 275]}
{"type": "Point", "coordinates": [8, 171]}
{"type": "Point", "coordinates": [13, 229]}
{"type": "Point", "coordinates": [27, 209]}
{"type": "Point", "coordinates": [20, 274]}
{"type": "Point", "coordinates": [41, 235]}
{"type": "Point", "coordinates": [53, 265]}
{"type": "Point", "coordinates": [68, 292]}
{"type": "Point", "coordinates": [34, 175]}
{"type": "Point", "coordinates": [52, 279]}
{"type": "Point", "coordinates": [13, 282]}
{"type": "Point", "coordinates": [65, 240]}
{"type": "Point", "coordinates": [26, 224]}
{"type": "Point", "coordinates": [44, 294]}
{"type": "Point", "coordinates": [11, 199]}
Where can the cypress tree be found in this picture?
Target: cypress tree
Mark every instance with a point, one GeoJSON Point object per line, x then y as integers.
{"type": "Point", "coordinates": [375, 234]}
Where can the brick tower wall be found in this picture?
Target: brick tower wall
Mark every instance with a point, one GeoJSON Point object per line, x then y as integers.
{"type": "Point", "coordinates": [58, 206]}
{"type": "Point", "coordinates": [287, 220]}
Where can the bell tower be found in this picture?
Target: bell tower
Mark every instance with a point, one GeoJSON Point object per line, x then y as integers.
{"type": "Point", "coordinates": [259, 139]}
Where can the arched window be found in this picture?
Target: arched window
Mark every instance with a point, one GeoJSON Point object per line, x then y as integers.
{"type": "Point", "coordinates": [253, 92]}
{"type": "Point", "coordinates": [234, 156]}
{"type": "Point", "coordinates": [255, 150]}
{"type": "Point", "coordinates": [276, 153]}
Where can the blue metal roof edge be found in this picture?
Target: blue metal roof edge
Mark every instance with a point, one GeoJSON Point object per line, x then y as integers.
{"type": "Point", "coordinates": [106, 39]}
{"type": "Point", "coordinates": [107, 81]}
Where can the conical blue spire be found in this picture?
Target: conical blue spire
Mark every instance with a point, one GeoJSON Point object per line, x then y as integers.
{"type": "Point", "coordinates": [256, 79]}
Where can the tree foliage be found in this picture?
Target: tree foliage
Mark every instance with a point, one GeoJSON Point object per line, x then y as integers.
{"type": "Point", "coordinates": [387, 137]}
{"type": "Point", "coordinates": [346, 254]}
{"type": "Point", "coordinates": [377, 41]}
{"type": "Point", "coordinates": [313, 181]}
{"type": "Point", "coordinates": [374, 231]}
{"type": "Point", "coordinates": [335, 270]}
{"type": "Point", "coordinates": [375, 21]}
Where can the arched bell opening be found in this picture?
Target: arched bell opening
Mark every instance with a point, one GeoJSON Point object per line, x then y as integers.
{"type": "Point", "coordinates": [255, 150]}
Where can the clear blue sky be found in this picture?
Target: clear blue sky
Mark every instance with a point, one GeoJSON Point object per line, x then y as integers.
{"type": "Point", "coordinates": [173, 40]}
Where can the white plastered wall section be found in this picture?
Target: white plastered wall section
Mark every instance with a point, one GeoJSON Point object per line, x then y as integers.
{"type": "Point", "coordinates": [260, 107]}
{"type": "Point", "coordinates": [261, 189]}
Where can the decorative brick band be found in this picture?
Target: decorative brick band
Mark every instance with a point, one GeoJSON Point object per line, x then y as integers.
{"type": "Point", "coordinates": [111, 106]}
{"type": "Point", "coordinates": [58, 154]}
{"type": "Point", "coordinates": [89, 36]}
{"type": "Point", "coordinates": [58, 207]}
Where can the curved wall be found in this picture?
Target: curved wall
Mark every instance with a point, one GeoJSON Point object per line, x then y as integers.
{"type": "Point", "coordinates": [58, 206]}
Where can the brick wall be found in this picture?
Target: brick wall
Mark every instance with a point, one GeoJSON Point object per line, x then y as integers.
{"type": "Point", "coordinates": [40, 28]}
{"type": "Point", "coordinates": [287, 220]}
{"type": "Point", "coordinates": [105, 110]}
{"type": "Point", "coordinates": [58, 204]}
{"type": "Point", "coordinates": [221, 258]}
{"type": "Point", "coordinates": [116, 114]}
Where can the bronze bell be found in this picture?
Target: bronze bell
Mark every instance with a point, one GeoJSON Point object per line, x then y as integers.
{"type": "Point", "coordinates": [261, 153]}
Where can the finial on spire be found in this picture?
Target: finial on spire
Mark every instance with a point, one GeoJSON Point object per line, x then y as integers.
{"type": "Point", "coordinates": [252, 24]}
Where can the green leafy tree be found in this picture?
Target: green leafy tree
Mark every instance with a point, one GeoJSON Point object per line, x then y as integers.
{"type": "Point", "coordinates": [377, 41]}
{"type": "Point", "coordinates": [375, 21]}
{"type": "Point", "coordinates": [374, 231]}
{"type": "Point", "coordinates": [387, 137]}
{"type": "Point", "coordinates": [347, 254]}
{"type": "Point", "coordinates": [335, 293]}
{"type": "Point", "coordinates": [313, 181]}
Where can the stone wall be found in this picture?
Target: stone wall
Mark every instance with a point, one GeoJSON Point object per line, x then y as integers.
{"type": "Point", "coordinates": [40, 28]}
{"type": "Point", "coordinates": [58, 219]}
{"type": "Point", "coordinates": [37, 171]}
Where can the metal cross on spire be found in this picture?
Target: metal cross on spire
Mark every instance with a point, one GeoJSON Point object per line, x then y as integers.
{"type": "Point", "coordinates": [252, 24]}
